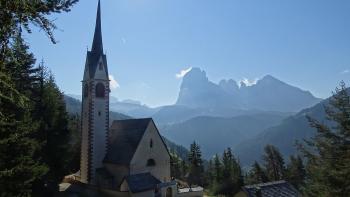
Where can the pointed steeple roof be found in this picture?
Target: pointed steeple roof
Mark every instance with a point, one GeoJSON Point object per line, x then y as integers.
{"type": "Point", "coordinates": [97, 46]}
{"type": "Point", "coordinates": [96, 52]}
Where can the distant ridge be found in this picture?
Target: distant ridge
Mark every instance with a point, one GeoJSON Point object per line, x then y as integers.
{"type": "Point", "coordinates": [283, 135]}
{"type": "Point", "coordinates": [268, 94]}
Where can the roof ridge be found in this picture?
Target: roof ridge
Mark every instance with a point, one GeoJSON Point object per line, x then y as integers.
{"type": "Point", "coordinates": [266, 184]}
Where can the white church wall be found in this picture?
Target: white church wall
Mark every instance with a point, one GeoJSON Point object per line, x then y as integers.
{"type": "Point", "coordinates": [158, 152]}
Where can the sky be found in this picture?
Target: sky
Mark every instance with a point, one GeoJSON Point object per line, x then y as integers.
{"type": "Point", "coordinates": [150, 44]}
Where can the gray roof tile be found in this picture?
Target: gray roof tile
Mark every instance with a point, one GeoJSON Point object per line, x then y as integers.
{"type": "Point", "coordinates": [124, 139]}
{"type": "Point", "coordinates": [272, 189]}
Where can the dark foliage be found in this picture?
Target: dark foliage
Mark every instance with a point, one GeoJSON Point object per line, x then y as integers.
{"type": "Point", "coordinates": [328, 153]}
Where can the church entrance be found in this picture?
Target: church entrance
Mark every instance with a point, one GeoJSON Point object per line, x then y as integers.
{"type": "Point", "coordinates": [169, 192]}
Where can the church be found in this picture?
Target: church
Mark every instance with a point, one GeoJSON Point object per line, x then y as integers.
{"type": "Point", "coordinates": [128, 158]}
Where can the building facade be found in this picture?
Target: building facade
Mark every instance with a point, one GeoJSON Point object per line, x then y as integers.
{"type": "Point", "coordinates": [95, 107]}
{"type": "Point", "coordinates": [129, 158]}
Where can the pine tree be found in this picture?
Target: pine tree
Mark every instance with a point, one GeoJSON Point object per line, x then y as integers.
{"type": "Point", "coordinates": [196, 169]}
{"type": "Point", "coordinates": [21, 162]}
{"type": "Point", "coordinates": [18, 147]}
{"type": "Point", "coordinates": [257, 174]}
{"type": "Point", "coordinates": [18, 14]}
{"type": "Point", "coordinates": [274, 163]}
{"type": "Point", "coordinates": [74, 125]}
{"type": "Point", "coordinates": [218, 169]}
{"type": "Point", "coordinates": [328, 153]}
{"type": "Point", "coordinates": [53, 135]}
{"type": "Point", "coordinates": [228, 182]}
{"type": "Point", "coordinates": [227, 174]}
{"type": "Point", "coordinates": [175, 166]}
{"type": "Point", "coordinates": [210, 173]}
{"type": "Point", "coordinates": [296, 171]}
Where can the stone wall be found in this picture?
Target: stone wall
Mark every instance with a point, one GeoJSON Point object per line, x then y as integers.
{"type": "Point", "coordinates": [158, 152]}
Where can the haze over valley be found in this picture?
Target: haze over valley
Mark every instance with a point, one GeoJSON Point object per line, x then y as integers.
{"type": "Point", "coordinates": [242, 116]}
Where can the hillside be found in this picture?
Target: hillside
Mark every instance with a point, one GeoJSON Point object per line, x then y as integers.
{"type": "Point", "coordinates": [214, 134]}
{"type": "Point", "coordinates": [283, 136]}
{"type": "Point", "coordinates": [73, 106]}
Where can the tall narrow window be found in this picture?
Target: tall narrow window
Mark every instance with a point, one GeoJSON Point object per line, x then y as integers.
{"type": "Point", "coordinates": [100, 66]}
{"type": "Point", "coordinates": [151, 143]}
{"type": "Point", "coordinates": [100, 90]}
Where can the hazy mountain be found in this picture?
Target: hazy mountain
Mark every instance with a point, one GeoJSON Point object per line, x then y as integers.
{"type": "Point", "coordinates": [197, 91]}
{"type": "Point", "coordinates": [214, 134]}
{"type": "Point", "coordinates": [272, 94]}
{"type": "Point", "coordinates": [135, 109]}
{"type": "Point", "coordinates": [268, 94]}
{"type": "Point", "coordinates": [129, 107]}
{"type": "Point", "coordinates": [283, 135]}
{"type": "Point", "coordinates": [172, 114]}
{"type": "Point", "coordinates": [73, 106]}
{"type": "Point", "coordinates": [181, 151]}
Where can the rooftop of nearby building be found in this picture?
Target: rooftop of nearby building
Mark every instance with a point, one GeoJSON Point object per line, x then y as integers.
{"type": "Point", "coordinates": [271, 189]}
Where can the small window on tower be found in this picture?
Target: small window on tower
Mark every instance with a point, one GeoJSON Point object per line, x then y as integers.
{"type": "Point", "coordinates": [100, 66]}
{"type": "Point", "coordinates": [99, 113]}
{"type": "Point", "coordinates": [100, 90]}
{"type": "Point", "coordinates": [151, 144]}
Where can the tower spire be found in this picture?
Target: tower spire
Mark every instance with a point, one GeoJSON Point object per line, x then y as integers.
{"type": "Point", "coordinates": [97, 46]}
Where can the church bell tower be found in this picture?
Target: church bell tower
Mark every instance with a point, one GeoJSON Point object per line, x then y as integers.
{"type": "Point", "coordinates": [95, 108]}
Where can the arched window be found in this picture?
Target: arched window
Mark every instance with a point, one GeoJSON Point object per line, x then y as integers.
{"type": "Point", "coordinates": [151, 143]}
{"type": "Point", "coordinates": [151, 162]}
{"type": "Point", "coordinates": [100, 90]}
{"type": "Point", "coordinates": [86, 90]}
{"type": "Point", "coordinates": [100, 66]}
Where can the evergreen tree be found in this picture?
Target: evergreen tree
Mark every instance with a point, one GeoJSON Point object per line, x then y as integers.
{"type": "Point", "coordinates": [33, 117]}
{"type": "Point", "coordinates": [74, 127]}
{"type": "Point", "coordinates": [175, 166]}
{"type": "Point", "coordinates": [296, 172]}
{"type": "Point", "coordinates": [18, 166]}
{"type": "Point", "coordinates": [53, 135]}
{"type": "Point", "coordinates": [274, 163]}
{"type": "Point", "coordinates": [196, 170]}
{"type": "Point", "coordinates": [227, 174]}
{"type": "Point", "coordinates": [257, 174]}
{"type": "Point", "coordinates": [218, 169]}
{"type": "Point", "coordinates": [184, 169]}
{"type": "Point", "coordinates": [328, 153]}
{"type": "Point", "coordinates": [210, 173]}
{"type": "Point", "coordinates": [16, 14]}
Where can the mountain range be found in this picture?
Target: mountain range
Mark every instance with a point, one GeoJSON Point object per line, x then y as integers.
{"type": "Point", "coordinates": [284, 136]}
{"type": "Point", "coordinates": [267, 94]}
{"type": "Point", "coordinates": [214, 134]}
{"type": "Point", "coordinates": [228, 114]}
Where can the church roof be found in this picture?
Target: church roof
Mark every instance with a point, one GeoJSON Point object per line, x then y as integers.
{"type": "Point", "coordinates": [141, 182]}
{"type": "Point", "coordinates": [96, 52]}
{"type": "Point", "coordinates": [124, 139]}
{"type": "Point", "coordinates": [271, 189]}
{"type": "Point", "coordinates": [97, 45]}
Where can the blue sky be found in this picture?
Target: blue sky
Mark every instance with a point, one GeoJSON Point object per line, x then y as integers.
{"type": "Point", "coordinates": [304, 43]}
